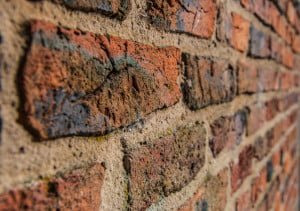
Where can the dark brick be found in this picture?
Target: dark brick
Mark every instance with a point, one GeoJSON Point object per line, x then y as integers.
{"type": "Point", "coordinates": [243, 202]}
{"type": "Point", "coordinates": [195, 17]}
{"type": "Point", "coordinates": [227, 132]}
{"type": "Point", "coordinates": [208, 81]}
{"type": "Point", "coordinates": [259, 43]}
{"type": "Point", "coordinates": [233, 29]}
{"type": "Point", "coordinates": [211, 195]}
{"type": "Point", "coordinates": [242, 168]}
{"type": "Point", "coordinates": [112, 8]}
{"type": "Point", "coordinates": [78, 190]}
{"type": "Point", "coordinates": [165, 166]}
{"type": "Point", "coordinates": [78, 83]}
{"type": "Point", "coordinates": [247, 77]}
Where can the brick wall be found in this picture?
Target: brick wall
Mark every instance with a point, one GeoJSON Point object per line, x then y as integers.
{"type": "Point", "coordinates": [149, 104]}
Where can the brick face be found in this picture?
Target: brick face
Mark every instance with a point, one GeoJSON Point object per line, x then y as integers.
{"type": "Point", "coordinates": [242, 168]}
{"type": "Point", "coordinates": [234, 29]}
{"type": "Point", "coordinates": [227, 132]}
{"type": "Point", "coordinates": [189, 104]}
{"type": "Point", "coordinates": [208, 81]}
{"type": "Point", "coordinates": [78, 190]}
{"type": "Point", "coordinates": [164, 167]}
{"type": "Point", "coordinates": [196, 17]}
{"type": "Point", "coordinates": [112, 8]}
{"type": "Point", "coordinates": [211, 195]}
{"type": "Point", "coordinates": [259, 43]}
{"type": "Point", "coordinates": [75, 82]}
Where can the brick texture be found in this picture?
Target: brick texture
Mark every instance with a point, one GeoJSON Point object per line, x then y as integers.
{"type": "Point", "coordinates": [77, 190]}
{"type": "Point", "coordinates": [165, 166]}
{"type": "Point", "coordinates": [210, 195]}
{"type": "Point", "coordinates": [196, 17]}
{"type": "Point", "coordinates": [208, 81]}
{"type": "Point", "coordinates": [111, 8]}
{"type": "Point", "coordinates": [179, 104]}
{"type": "Point", "coordinates": [75, 82]}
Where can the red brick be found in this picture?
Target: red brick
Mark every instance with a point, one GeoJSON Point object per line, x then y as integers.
{"type": "Point", "coordinates": [195, 17]}
{"type": "Point", "coordinates": [258, 185]}
{"type": "Point", "coordinates": [287, 57]}
{"type": "Point", "coordinates": [240, 32]}
{"type": "Point", "coordinates": [268, 79]}
{"type": "Point", "coordinates": [272, 108]}
{"type": "Point", "coordinates": [287, 81]}
{"type": "Point", "coordinates": [165, 166]}
{"type": "Point", "coordinates": [78, 190]}
{"type": "Point", "coordinates": [208, 81]}
{"type": "Point", "coordinates": [296, 44]}
{"type": "Point", "coordinates": [234, 29]}
{"type": "Point", "coordinates": [276, 48]}
{"type": "Point", "coordinates": [291, 13]}
{"type": "Point", "coordinates": [247, 77]}
{"type": "Point", "coordinates": [227, 132]}
{"type": "Point", "coordinates": [211, 195]}
{"type": "Point", "coordinates": [259, 43]}
{"type": "Point", "coordinates": [111, 8]}
{"type": "Point", "coordinates": [256, 118]}
{"type": "Point", "coordinates": [78, 83]}
{"type": "Point", "coordinates": [263, 145]}
{"type": "Point", "coordinates": [242, 168]}
{"type": "Point", "coordinates": [243, 202]}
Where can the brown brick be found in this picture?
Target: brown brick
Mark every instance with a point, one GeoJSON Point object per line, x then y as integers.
{"type": "Point", "coordinates": [291, 13]}
{"type": "Point", "coordinates": [259, 185]}
{"type": "Point", "coordinates": [240, 32]}
{"type": "Point", "coordinates": [247, 77]}
{"type": "Point", "coordinates": [259, 43]}
{"type": "Point", "coordinates": [227, 132]}
{"type": "Point", "coordinates": [276, 48]}
{"type": "Point", "coordinates": [112, 8]}
{"type": "Point", "coordinates": [242, 168]}
{"type": "Point", "coordinates": [296, 44]}
{"type": "Point", "coordinates": [208, 81]}
{"type": "Point", "coordinates": [243, 202]}
{"type": "Point", "coordinates": [211, 195]}
{"type": "Point", "coordinates": [78, 190]}
{"type": "Point", "coordinates": [256, 118]}
{"type": "Point", "coordinates": [196, 17]}
{"type": "Point", "coordinates": [78, 83]}
{"type": "Point", "coordinates": [287, 57]}
{"type": "Point", "coordinates": [234, 29]}
{"type": "Point", "coordinates": [268, 79]}
{"type": "Point", "coordinates": [165, 166]}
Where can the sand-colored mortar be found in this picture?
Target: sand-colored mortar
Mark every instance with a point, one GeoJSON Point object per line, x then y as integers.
{"type": "Point", "coordinates": [39, 160]}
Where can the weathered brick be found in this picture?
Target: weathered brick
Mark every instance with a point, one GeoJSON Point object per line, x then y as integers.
{"type": "Point", "coordinates": [256, 118]}
{"type": "Point", "coordinates": [259, 43]}
{"type": "Point", "coordinates": [296, 44]}
{"type": "Point", "coordinates": [291, 13]}
{"type": "Point", "coordinates": [276, 49]}
{"type": "Point", "coordinates": [208, 81]}
{"type": "Point", "coordinates": [234, 29]}
{"type": "Point", "coordinates": [263, 145]}
{"type": "Point", "coordinates": [241, 168]}
{"type": "Point", "coordinates": [112, 8]}
{"type": "Point", "coordinates": [227, 132]}
{"type": "Point", "coordinates": [287, 57]}
{"type": "Point", "coordinates": [247, 77]}
{"type": "Point", "coordinates": [211, 195]}
{"type": "Point", "coordinates": [78, 190]}
{"type": "Point", "coordinates": [78, 83]}
{"type": "Point", "coordinates": [268, 79]}
{"type": "Point", "coordinates": [160, 168]}
{"type": "Point", "coordinates": [243, 202]}
{"type": "Point", "coordinates": [195, 17]}
{"type": "Point", "coordinates": [259, 185]}
{"type": "Point", "coordinates": [272, 108]}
